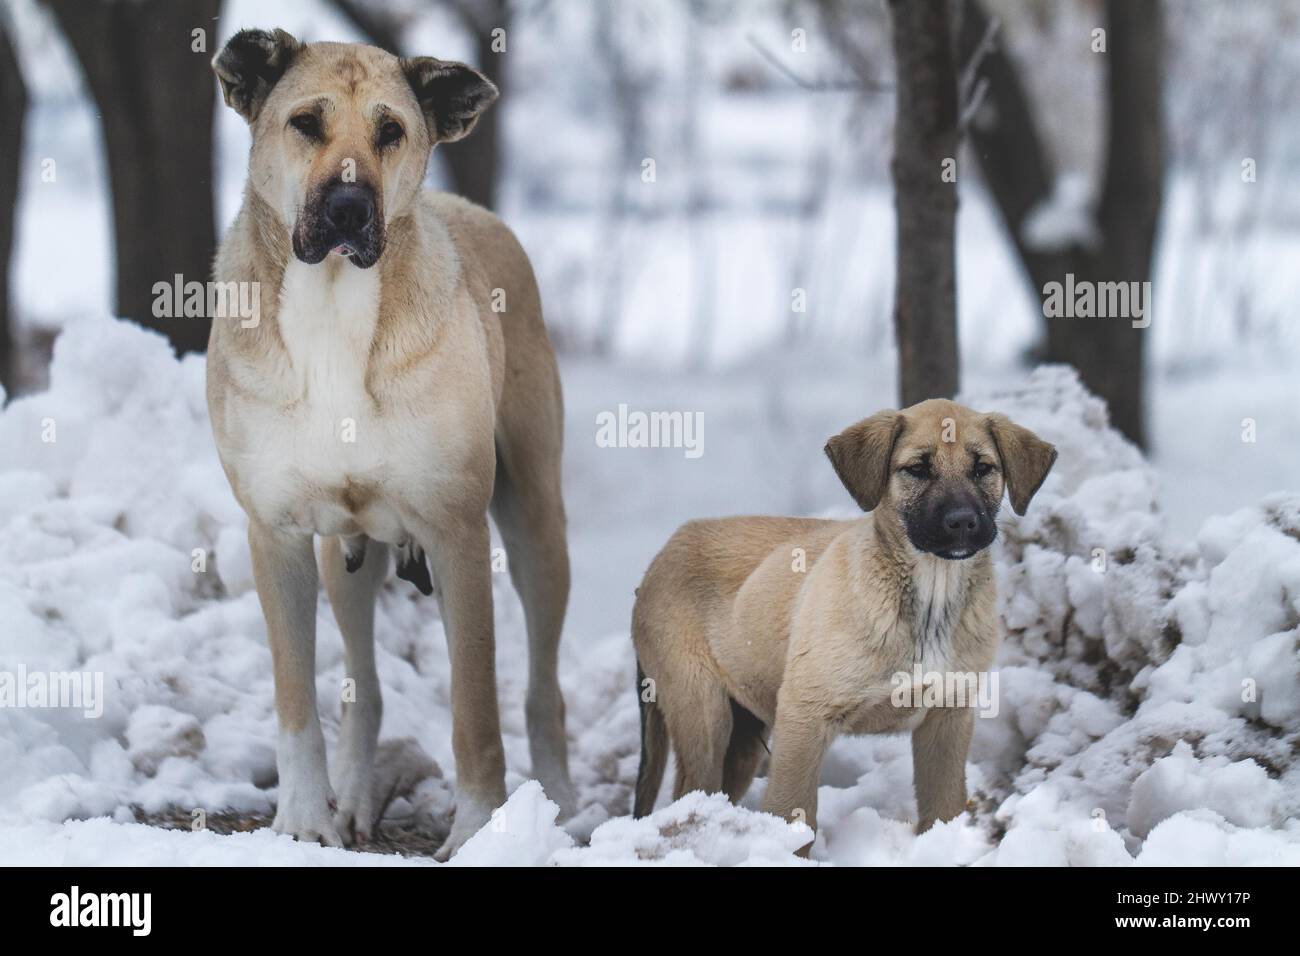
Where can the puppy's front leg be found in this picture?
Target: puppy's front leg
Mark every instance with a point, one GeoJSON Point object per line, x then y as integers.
{"type": "Point", "coordinates": [939, 748]}
{"type": "Point", "coordinates": [284, 569]}
{"type": "Point", "coordinates": [799, 742]}
{"type": "Point", "coordinates": [462, 566]}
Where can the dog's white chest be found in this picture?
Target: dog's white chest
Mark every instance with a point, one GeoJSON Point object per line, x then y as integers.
{"type": "Point", "coordinates": [938, 589]}
{"type": "Point", "coordinates": [327, 323]}
{"type": "Point", "coordinates": [327, 459]}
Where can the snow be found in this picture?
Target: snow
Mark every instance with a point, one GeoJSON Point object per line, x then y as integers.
{"type": "Point", "coordinates": [1241, 792]}
{"type": "Point", "coordinates": [1063, 220]}
{"type": "Point", "coordinates": [1150, 684]}
{"type": "Point", "coordinates": [1150, 676]}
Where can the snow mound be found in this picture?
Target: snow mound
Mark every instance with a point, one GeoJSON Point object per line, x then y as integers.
{"type": "Point", "coordinates": [1149, 689]}
{"type": "Point", "coordinates": [124, 556]}
{"type": "Point", "coordinates": [697, 830]}
{"type": "Point", "coordinates": [1141, 677]}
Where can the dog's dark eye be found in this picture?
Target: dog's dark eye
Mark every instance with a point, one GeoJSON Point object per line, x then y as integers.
{"type": "Point", "coordinates": [390, 133]}
{"type": "Point", "coordinates": [918, 471]}
{"type": "Point", "coordinates": [983, 468]}
{"type": "Point", "coordinates": [307, 124]}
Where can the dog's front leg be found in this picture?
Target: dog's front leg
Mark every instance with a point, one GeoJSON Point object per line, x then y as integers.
{"type": "Point", "coordinates": [462, 567]}
{"type": "Point", "coordinates": [799, 742]}
{"type": "Point", "coordinates": [284, 569]}
{"type": "Point", "coordinates": [939, 748]}
{"type": "Point", "coordinates": [352, 596]}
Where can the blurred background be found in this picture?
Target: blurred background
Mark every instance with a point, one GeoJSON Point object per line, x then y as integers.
{"type": "Point", "coordinates": [705, 189]}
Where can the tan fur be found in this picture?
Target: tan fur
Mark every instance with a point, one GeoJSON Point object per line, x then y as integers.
{"type": "Point", "coordinates": [739, 641]}
{"type": "Point", "coordinates": [456, 408]}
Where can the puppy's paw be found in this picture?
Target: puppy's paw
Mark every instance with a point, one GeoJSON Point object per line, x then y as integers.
{"type": "Point", "coordinates": [471, 816]}
{"type": "Point", "coordinates": [560, 790]}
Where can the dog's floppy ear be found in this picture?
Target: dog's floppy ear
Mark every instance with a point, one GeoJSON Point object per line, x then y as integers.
{"type": "Point", "coordinates": [452, 95]}
{"type": "Point", "coordinates": [1026, 459]}
{"type": "Point", "coordinates": [250, 65]}
{"type": "Point", "coordinates": [861, 453]}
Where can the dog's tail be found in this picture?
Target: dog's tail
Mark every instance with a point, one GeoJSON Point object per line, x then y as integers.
{"type": "Point", "coordinates": [654, 750]}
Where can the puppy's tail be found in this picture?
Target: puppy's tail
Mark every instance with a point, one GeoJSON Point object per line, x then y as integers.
{"type": "Point", "coordinates": [654, 750]}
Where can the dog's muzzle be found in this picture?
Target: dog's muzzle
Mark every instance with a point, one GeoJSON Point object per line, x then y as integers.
{"type": "Point", "coordinates": [344, 219]}
{"type": "Point", "coordinates": [953, 528]}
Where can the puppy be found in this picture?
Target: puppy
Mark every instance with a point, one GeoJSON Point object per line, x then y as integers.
{"type": "Point", "coordinates": [796, 627]}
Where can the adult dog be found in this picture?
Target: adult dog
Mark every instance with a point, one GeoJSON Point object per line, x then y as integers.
{"type": "Point", "coordinates": [801, 627]}
{"type": "Point", "coordinates": [399, 384]}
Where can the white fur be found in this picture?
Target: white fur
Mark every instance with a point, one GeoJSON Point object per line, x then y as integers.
{"type": "Point", "coordinates": [328, 313]}
{"type": "Point", "coordinates": [938, 587]}
{"type": "Point", "coordinates": [303, 804]}
{"type": "Point", "coordinates": [328, 431]}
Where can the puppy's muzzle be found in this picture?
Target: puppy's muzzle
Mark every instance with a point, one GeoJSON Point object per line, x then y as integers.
{"type": "Point", "coordinates": [961, 525]}
{"type": "Point", "coordinates": [953, 529]}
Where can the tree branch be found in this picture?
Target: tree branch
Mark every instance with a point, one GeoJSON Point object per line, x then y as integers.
{"type": "Point", "coordinates": [1005, 138]}
{"type": "Point", "coordinates": [814, 86]}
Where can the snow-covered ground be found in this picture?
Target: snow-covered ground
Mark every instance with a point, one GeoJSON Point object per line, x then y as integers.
{"type": "Point", "coordinates": [1149, 691]}
{"type": "Point", "coordinates": [1149, 711]}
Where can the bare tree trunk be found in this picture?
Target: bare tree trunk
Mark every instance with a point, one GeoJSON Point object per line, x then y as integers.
{"type": "Point", "coordinates": [703, 260]}
{"type": "Point", "coordinates": [155, 96]}
{"type": "Point", "coordinates": [13, 109]}
{"type": "Point", "coordinates": [1108, 352]}
{"type": "Point", "coordinates": [1130, 202]}
{"type": "Point", "coordinates": [925, 136]}
{"type": "Point", "coordinates": [475, 161]}
{"type": "Point", "coordinates": [628, 95]}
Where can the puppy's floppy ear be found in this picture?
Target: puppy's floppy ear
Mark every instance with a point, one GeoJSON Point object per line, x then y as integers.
{"type": "Point", "coordinates": [250, 65]}
{"type": "Point", "coordinates": [861, 453]}
{"type": "Point", "coordinates": [452, 95]}
{"type": "Point", "coordinates": [1026, 459]}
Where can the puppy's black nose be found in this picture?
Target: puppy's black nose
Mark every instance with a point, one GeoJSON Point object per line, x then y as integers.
{"type": "Point", "coordinates": [960, 521]}
{"type": "Point", "coordinates": [349, 208]}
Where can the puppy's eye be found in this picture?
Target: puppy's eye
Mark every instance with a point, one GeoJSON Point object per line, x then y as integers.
{"type": "Point", "coordinates": [390, 133]}
{"type": "Point", "coordinates": [982, 469]}
{"type": "Point", "coordinates": [918, 471]}
{"type": "Point", "coordinates": [306, 123]}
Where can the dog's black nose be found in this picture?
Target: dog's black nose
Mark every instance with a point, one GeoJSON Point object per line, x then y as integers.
{"type": "Point", "coordinates": [960, 521]}
{"type": "Point", "coordinates": [349, 208]}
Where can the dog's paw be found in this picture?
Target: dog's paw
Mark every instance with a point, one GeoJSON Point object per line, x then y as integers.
{"type": "Point", "coordinates": [354, 824]}
{"type": "Point", "coordinates": [310, 824]}
{"type": "Point", "coordinates": [471, 816]}
{"type": "Point", "coordinates": [355, 817]}
{"type": "Point", "coordinates": [305, 804]}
